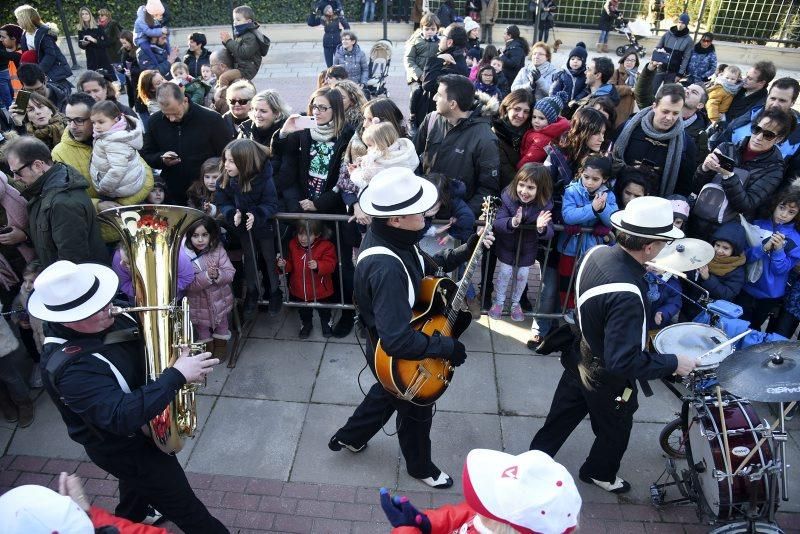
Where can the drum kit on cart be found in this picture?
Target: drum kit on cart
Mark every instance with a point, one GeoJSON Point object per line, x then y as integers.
{"type": "Point", "coordinates": [737, 471]}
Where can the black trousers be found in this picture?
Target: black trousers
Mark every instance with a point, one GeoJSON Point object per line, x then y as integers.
{"type": "Point", "coordinates": [147, 476]}
{"type": "Point", "coordinates": [307, 315]}
{"type": "Point", "coordinates": [413, 428]}
{"type": "Point", "coordinates": [611, 426]}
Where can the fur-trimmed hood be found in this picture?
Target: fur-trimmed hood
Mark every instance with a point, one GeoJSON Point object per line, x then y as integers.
{"type": "Point", "coordinates": [490, 105]}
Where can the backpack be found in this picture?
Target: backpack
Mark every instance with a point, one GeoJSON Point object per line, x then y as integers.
{"type": "Point", "coordinates": [712, 202]}
{"type": "Point", "coordinates": [263, 44]}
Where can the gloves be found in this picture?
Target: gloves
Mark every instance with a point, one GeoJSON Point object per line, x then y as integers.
{"type": "Point", "coordinates": [459, 354]}
{"type": "Point", "coordinates": [572, 229]}
{"type": "Point", "coordinates": [534, 77]}
{"type": "Point", "coordinates": [401, 513]}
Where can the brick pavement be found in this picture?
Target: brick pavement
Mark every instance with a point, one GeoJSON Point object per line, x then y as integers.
{"type": "Point", "coordinates": [257, 505]}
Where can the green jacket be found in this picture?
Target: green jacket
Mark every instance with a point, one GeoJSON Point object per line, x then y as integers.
{"type": "Point", "coordinates": [62, 223]}
{"type": "Point", "coordinates": [247, 50]}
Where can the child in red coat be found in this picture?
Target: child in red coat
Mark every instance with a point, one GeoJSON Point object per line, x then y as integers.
{"type": "Point", "coordinates": [311, 262]}
{"type": "Point", "coordinates": [546, 126]}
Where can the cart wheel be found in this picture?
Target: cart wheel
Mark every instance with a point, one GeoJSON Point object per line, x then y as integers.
{"type": "Point", "coordinates": [621, 50]}
{"type": "Point", "coordinates": [673, 440]}
{"type": "Point", "coordinates": [642, 52]}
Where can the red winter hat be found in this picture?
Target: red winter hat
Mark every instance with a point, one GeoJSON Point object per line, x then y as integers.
{"type": "Point", "coordinates": [29, 56]}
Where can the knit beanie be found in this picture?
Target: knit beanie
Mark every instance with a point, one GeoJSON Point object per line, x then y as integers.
{"type": "Point", "coordinates": [154, 8]}
{"type": "Point", "coordinates": [470, 25]}
{"type": "Point", "coordinates": [551, 106]}
{"type": "Point", "coordinates": [13, 31]}
{"type": "Point", "coordinates": [474, 53]}
{"type": "Point", "coordinates": [28, 56]}
{"type": "Point", "coordinates": [680, 207]}
{"type": "Point", "coordinates": [579, 51]}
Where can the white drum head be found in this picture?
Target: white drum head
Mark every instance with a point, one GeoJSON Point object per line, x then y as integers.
{"type": "Point", "coordinates": [693, 339]}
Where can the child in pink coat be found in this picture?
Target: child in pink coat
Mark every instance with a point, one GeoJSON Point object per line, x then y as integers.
{"type": "Point", "coordinates": [210, 294]}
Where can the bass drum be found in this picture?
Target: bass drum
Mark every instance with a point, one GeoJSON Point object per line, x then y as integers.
{"type": "Point", "coordinates": [727, 497]}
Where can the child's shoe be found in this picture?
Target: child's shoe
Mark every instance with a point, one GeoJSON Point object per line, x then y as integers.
{"type": "Point", "coordinates": [219, 349]}
{"type": "Point", "coordinates": [517, 313]}
{"type": "Point", "coordinates": [327, 331]}
{"type": "Point", "coordinates": [496, 311]}
{"type": "Point", "coordinates": [305, 331]}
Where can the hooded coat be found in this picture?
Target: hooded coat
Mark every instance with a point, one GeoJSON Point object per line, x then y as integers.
{"type": "Point", "coordinates": [116, 169]}
{"type": "Point", "coordinates": [778, 264]}
{"type": "Point", "coordinates": [248, 49]}
{"type": "Point", "coordinates": [577, 209]}
{"type": "Point", "coordinates": [513, 58]}
{"type": "Point", "coordinates": [508, 244]}
{"type": "Point", "coordinates": [729, 286]}
{"type": "Point", "coordinates": [354, 62]}
{"type": "Point", "coordinates": [62, 222]}
{"type": "Point", "coordinates": [48, 55]}
{"type": "Point", "coordinates": [534, 142]}
{"type": "Point", "coordinates": [305, 283]}
{"type": "Point", "coordinates": [417, 53]}
{"type": "Point", "coordinates": [16, 215]}
{"type": "Point", "coordinates": [210, 299]}
{"type": "Point", "coordinates": [401, 154]}
{"type": "Point", "coordinates": [467, 152]}
{"type": "Point", "coordinates": [679, 46]}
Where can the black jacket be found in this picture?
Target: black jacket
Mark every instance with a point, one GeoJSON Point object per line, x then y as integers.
{"type": "Point", "coordinates": [98, 413]}
{"type": "Point", "coordinates": [422, 100]}
{"type": "Point", "coordinates": [195, 63]}
{"type": "Point", "coordinates": [742, 103]}
{"type": "Point", "coordinates": [261, 201]}
{"type": "Point", "coordinates": [295, 163]}
{"type": "Point", "coordinates": [467, 152]}
{"type": "Point", "coordinates": [513, 58]}
{"type": "Point", "coordinates": [201, 134]}
{"type": "Point", "coordinates": [97, 56]}
{"type": "Point", "coordinates": [509, 142]}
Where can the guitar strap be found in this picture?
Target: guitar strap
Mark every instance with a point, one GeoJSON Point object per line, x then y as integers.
{"type": "Point", "coordinates": [372, 251]}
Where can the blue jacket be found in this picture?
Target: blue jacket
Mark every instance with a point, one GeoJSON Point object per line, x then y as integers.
{"type": "Point", "coordinates": [261, 201]}
{"type": "Point", "coordinates": [49, 56]}
{"type": "Point", "coordinates": [664, 297]}
{"type": "Point", "coordinates": [145, 63]}
{"type": "Point", "coordinates": [574, 86]}
{"type": "Point", "coordinates": [577, 210]}
{"type": "Point", "coordinates": [141, 31]}
{"type": "Point", "coordinates": [777, 263]}
{"type": "Point", "coordinates": [507, 237]}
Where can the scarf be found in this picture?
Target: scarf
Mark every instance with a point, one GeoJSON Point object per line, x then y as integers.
{"type": "Point", "coordinates": [241, 28]}
{"type": "Point", "coordinates": [724, 266]}
{"type": "Point", "coordinates": [644, 119]}
{"type": "Point", "coordinates": [512, 135]}
{"type": "Point", "coordinates": [50, 133]}
{"type": "Point", "coordinates": [323, 133]}
{"type": "Point", "coordinates": [730, 88]}
{"type": "Point", "coordinates": [698, 49]}
{"type": "Point", "coordinates": [489, 89]}
{"type": "Point", "coordinates": [400, 238]}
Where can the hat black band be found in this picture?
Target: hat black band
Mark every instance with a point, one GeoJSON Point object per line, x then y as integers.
{"type": "Point", "coordinates": [400, 205]}
{"type": "Point", "coordinates": [647, 230]}
{"type": "Point", "coordinates": [78, 301]}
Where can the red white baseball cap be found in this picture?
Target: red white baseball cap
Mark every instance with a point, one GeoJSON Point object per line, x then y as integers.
{"type": "Point", "coordinates": [531, 492]}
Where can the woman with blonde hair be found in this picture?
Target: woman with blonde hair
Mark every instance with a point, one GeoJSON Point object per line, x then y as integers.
{"type": "Point", "coordinates": [353, 99]}
{"type": "Point", "coordinates": [41, 38]}
{"type": "Point", "coordinates": [93, 41]}
{"type": "Point", "coordinates": [268, 112]}
{"type": "Point", "coordinates": [42, 120]}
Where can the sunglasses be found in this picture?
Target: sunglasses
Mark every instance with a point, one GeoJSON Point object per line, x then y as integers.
{"type": "Point", "coordinates": [766, 134]}
{"type": "Point", "coordinates": [238, 101]}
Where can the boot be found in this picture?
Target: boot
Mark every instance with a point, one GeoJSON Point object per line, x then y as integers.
{"type": "Point", "coordinates": [219, 349]}
{"type": "Point", "coordinates": [605, 48]}
{"type": "Point", "coordinates": [8, 409]}
{"type": "Point", "coordinates": [26, 413]}
{"type": "Point", "coordinates": [599, 48]}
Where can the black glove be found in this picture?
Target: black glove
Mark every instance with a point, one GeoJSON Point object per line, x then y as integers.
{"type": "Point", "coordinates": [459, 354]}
{"type": "Point", "coordinates": [401, 513]}
{"type": "Point", "coordinates": [535, 75]}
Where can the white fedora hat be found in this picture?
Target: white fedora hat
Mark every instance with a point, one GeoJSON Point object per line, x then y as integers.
{"type": "Point", "coordinates": [38, 510]}
{"type": "Point", "coordinates": [66, 292]}
{"type": "Point", "coordinates": [647, 217]}
{"type": "Point", "coordinates": [397, 191]}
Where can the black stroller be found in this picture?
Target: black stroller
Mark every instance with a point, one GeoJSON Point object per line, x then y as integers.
{"type": "Point", "coordinates": [632, 31]}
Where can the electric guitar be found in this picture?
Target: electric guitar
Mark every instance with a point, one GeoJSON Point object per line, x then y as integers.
{"type": "Point", "coordinates": [439, 309]}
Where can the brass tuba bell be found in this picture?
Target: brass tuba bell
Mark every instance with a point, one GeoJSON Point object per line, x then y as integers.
{"type": "Point", "coordinates": [152, 237]}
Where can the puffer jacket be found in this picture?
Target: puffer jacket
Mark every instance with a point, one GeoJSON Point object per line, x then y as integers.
{"type": "Point", "coordinates": [141, 30]}
{"type": "Point", "coordinates": [513, 58]}
{"type": "Point", "coordinates": [418, 52]}
{"type": "Point", "coordinates": [48, 55]}
{"type": "Point", "coordinates": [571, 83]}
{"type": "Point", "coordinates": [195, 63]}
{"type": "Point", "coordinates": [719, 101]}
{"type": "Point", "coordinates": [524, 79]}
{"type": "Point", "coordinates": [703, 63]}
{"type": "Point", "coordinates": [778, 264]}
{"type": "Point", "coordinates": [248, 49]}
{"type": "Point", "coordinates": [62, 223]}
{"type": "Point", "coordinates": [533, 143]}
{"type": "Point", "coordinates": [261, 201]}
{"type": "Point", "coordinates": [754, 181]}
{"type": "Point", "coordinates": [209, 300]}
{"type": "Point", "coordinates": [305, 283]}
{"type": "Point", "coordinates": [507, 237]}
{"type": "Point", "coordinates": [78, 156]}
{"type": "Point", "coordinates": [679, 46]}
{"type": "Point", "coordinates": [467, 151]}
{"type": "Point", "coordinates": [401, 154]}
{"type": "Point", "coordinates": [729, 286]}
{"type": "Point", "coordinates": [354, 62]}
{"type": "Point", "coordinates": [577, 209]}
{"type": "Point", "coordinates": [116, 169]}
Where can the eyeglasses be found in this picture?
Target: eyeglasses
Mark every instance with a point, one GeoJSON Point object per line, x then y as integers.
{"type": "Point", "coordinates": [766, 134]}
{"type": "Point", "coordinates": [18, 171]}
{"type": "Point", "coordinates": [238, 101]}
{"type": "Point", "coordinates": [705, 40]}
{"type": "Point", "coordinates": [320, 108]}
{"type": "Point", "coordinates": [77, 120]}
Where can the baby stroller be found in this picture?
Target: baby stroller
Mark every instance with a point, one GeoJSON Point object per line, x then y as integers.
{"type": "Point", "coordinates": [632, 31]}
{"type": "Point", "coordinates": [380, 57]}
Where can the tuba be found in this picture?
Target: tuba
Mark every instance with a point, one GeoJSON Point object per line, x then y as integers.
{"type": "Point", "coordinates": [152, 236]}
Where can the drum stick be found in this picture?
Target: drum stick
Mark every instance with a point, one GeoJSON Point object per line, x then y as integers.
{"type": "Point", "coordinates": [762, 440]}
{"type": "Point", "coordinates": [727, 455]}
{"type": "Point", "coordinates": [724, 345]}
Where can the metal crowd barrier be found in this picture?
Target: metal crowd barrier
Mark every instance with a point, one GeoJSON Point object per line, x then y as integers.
{"type": "Point", "coordinates": [286, 220]}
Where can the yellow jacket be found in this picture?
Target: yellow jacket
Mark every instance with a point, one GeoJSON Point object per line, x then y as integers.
{"type": "Point", "coordinates": [78, 155]}
{"type": "Point", "coordinates": [719, 102]}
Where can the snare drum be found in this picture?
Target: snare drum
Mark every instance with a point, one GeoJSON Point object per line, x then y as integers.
{"type": "Point", "coordinates": [727, 497]}
{"type": "Point", "coordinates": [693, 339]}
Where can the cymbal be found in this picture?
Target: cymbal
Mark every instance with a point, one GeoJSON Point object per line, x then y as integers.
{"type": "Point", "coordinates": [768, 372]}
{"type": "Point", "coordinates": [683, 255]}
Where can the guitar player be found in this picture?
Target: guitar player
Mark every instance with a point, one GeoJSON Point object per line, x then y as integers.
{"type": "Point", "coordinates": [388, 273]}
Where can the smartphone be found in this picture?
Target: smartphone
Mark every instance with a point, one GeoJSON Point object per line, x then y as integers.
{"type": "Point", "coordinates": [6, 230]}
{"type": "Point", "coordinates": [660, 57]}
{"type": "Point", "coordinates": [725, 162]}
{"type": "Point", "coordinates": [306, 121]}
{"type": "Point", "coordinates": [22, 100]}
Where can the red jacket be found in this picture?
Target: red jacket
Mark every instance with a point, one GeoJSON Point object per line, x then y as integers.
{"type": "Point", "coordinates": [302, 280]}
{"type": "Point", "coordinates": [446, 519]}
{"type": "Point", "coordinates": [532, 149]}
{"type": "Point", "coordinates": [101, 518]}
